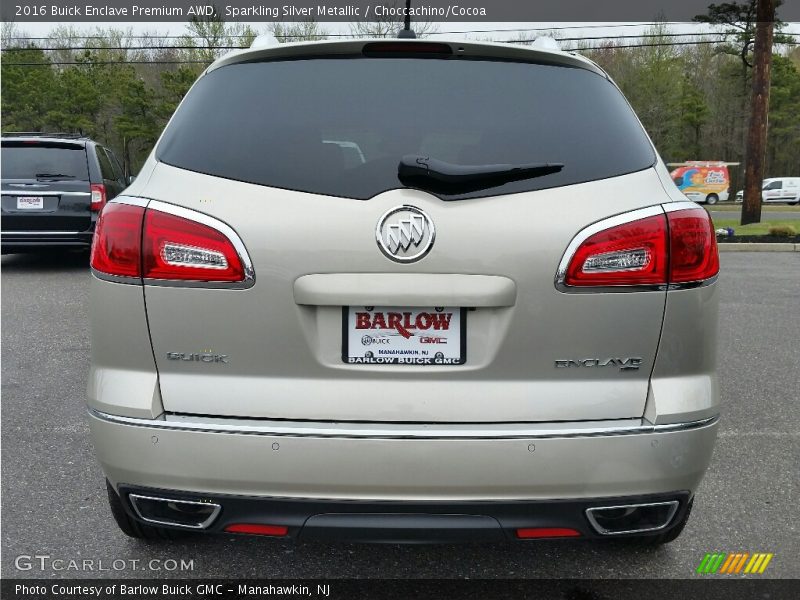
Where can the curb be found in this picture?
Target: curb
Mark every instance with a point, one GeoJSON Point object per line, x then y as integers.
{"type": "Point", "coordinates": [757, 247]}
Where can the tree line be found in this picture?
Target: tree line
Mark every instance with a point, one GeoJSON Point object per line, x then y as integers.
{"type": "Point", "coordinates": [120, 88]}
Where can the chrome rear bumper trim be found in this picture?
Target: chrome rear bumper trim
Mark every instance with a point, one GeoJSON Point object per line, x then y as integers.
{"type": "Point", "coordinates": [326, 429]}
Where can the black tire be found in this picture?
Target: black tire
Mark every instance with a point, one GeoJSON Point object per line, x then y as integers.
{"type": "Point", "coordinates": [712, 199]}
{"type": "Point", "coordinates": [133, 528]}
{"type": "Point", "coordinates": [666, 537]}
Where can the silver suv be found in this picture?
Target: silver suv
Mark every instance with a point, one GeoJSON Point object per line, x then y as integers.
{"type": "Point", "coordinates": [404, 291]}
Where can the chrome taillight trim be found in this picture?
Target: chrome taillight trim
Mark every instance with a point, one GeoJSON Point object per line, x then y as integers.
{"type": "Point", "coordinates": [198, 217]}
{"type": "Point", "coordinates": [116, 278]}
{"type": "Point", "coordinates": [132, 200]}
{"type": "Point", "coordinates": [586, 233]}
{"type": "Point", "coordinates": [681, 205]}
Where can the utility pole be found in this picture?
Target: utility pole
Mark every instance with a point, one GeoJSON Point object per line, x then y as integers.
{"type": "Point", "coordinates": [406, 32]}
{"type": "Point", "coordinates": [759, 110]}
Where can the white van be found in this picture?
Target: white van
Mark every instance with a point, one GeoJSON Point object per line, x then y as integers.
{"type": "Point", "coordinates": [778, 189]}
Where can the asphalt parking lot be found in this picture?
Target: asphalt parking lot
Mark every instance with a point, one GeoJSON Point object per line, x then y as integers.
{"type": "Point", "coordinates": [53, 493]}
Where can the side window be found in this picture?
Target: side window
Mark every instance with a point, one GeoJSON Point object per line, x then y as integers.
{"type": "Point", "coordinates": [118, 174]}
{"type": "Point", "coordinates": [106, 170]}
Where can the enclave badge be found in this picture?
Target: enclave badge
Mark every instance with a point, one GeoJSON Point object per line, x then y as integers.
{"type": "Point", "coordinates": [625, 364]}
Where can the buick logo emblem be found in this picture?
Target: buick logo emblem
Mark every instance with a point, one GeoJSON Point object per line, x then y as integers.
{"type": "Point", "coordinates": [405, 234]}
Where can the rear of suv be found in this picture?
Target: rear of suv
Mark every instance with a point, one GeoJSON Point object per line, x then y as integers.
{"type": "Point", "coordinates": [53, 188]}
{"type": "Point", "coordinates": [497, 323]}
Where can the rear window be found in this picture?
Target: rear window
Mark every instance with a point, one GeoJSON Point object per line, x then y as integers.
{"type": "Point", "coordinates": [21, 160]}
{"type": "Point", "coordinates": [339, 126]}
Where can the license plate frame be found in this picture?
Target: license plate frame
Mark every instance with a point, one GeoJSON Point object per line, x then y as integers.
{"type": "Point", "coordinates": [418, 359]}
{"type": "Point", "coordinates": [30, 202]}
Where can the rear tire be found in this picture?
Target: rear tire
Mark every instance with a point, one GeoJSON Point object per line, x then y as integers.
{"type": "Point", "coordinates": [666, 537]}
{"type": "Point", "coordinates": [712, 199]}
{"type": "Point", "coordinates": [133, 528]}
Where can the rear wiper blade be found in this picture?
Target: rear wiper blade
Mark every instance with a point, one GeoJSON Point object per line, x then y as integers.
{"type": "Point", "coordinates": [438, 175]}
{"type": "Point", "coordinates": [54, 176]}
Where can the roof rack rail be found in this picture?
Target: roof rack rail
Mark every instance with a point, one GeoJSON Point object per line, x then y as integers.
{"type": "Point", "coordinates": [53, 134]}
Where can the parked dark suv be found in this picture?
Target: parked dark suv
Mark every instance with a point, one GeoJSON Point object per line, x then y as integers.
{"type": "Point", "coordinates": [53, 188]}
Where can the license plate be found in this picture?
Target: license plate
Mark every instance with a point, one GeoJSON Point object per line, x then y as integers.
{"type": "Point", "coordinates": [376, 335]}
{"type": "Point", "coordinates": [30, 202]}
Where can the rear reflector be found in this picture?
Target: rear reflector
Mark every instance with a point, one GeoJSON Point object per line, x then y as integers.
{"type": "Point", "coordinates": [672, 248]}
{"type": "Point", "coordinates": [98, 197]}
{"type": "Point", "coordinates": [546, 532]}
{"type": "Point", "coordinates": [117, 242]}
{"type": "Point", "coordinates": [256, 529]}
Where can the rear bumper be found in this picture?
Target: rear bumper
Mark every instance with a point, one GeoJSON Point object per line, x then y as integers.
{"type": "Point", "coordinates": [410, 522]}
{"type": "Point", "coordinates": [341, 462]}
{"type": "Point", "coordinates": [34, 239]}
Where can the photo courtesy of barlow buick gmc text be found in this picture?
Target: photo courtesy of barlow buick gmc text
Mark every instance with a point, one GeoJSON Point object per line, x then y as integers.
{"type": "Point", "coordinates": [401, 300]}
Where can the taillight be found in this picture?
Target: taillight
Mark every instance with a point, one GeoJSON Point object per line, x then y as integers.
{"type": "Point", "coordinates": [657, 249]}
{"type": "Point", "coordinates": [693, 250]}
{"type": "Point", "coordinates": [98, 197]}
{"type": "Point", "coordinates": [181, 249]}
{"type": "Point", "coordinates": [633, 253]}
{"type": "Point", "coordinates": [154, 244]}
{"type": "Point", "coordinates": [117, 243]}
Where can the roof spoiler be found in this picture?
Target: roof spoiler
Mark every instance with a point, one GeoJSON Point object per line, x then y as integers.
{"type": "Point", "coordinates": [72, 136]}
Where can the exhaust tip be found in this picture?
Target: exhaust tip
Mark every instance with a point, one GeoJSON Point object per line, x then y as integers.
{"type": "Point", "coordinates": [632, 518]}
{"type": "Point", "coordinates": [176, 513]}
